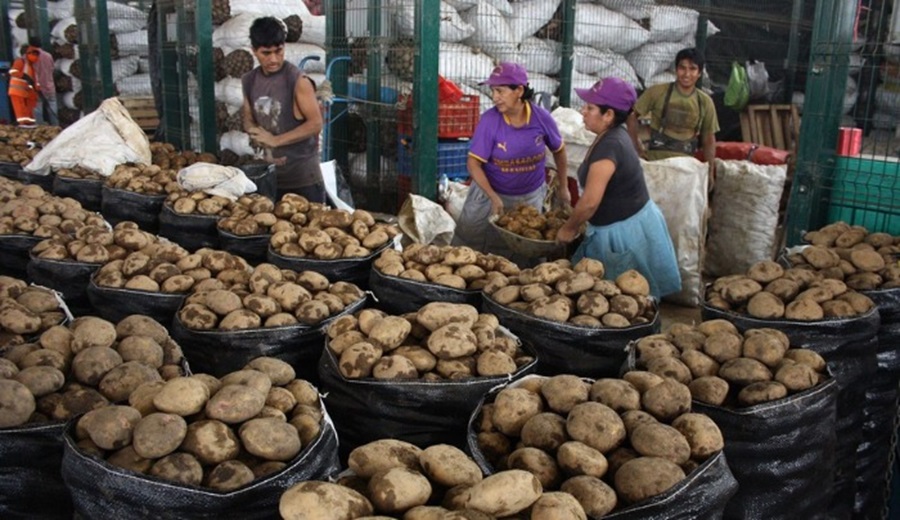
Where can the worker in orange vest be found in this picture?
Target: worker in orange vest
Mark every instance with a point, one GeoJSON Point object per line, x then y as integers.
{"type": "Point", "coordinates": [24, 89]}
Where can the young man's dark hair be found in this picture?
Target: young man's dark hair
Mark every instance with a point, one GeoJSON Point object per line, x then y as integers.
{"type": "Point", "coordinates": [34, 41]}
{"type": "Point", "coordinates": [691, 54]}
{"type": "Point", "coordinates": [267, 31]}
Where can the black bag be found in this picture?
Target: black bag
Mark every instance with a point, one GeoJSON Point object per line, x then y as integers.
{"type": "Point", "coordinates": [353, 270]}
{"type": "Point", "coordinates": [30, 482]}
{"type": "Point", "coordinates": [400, 295]}
{"type": "Point", "coordinates": [219, 352]}
{"type": "Point", "coordinates": [251, 248]}
{"type": "Point", "coordinates": [121, 205]}
{"type": "Point", "coordinates": [66, 276]}
{"type": "Point", "coordinates": [848, 346]}
{"type": "Point", "coordinates": [15, 253]}
{"type": "Point", "coordinates": [563, 348]}
{"type": "Point", "coordinates": [114, 304]}
{"type": "Point", "coordinates": [11, 170]}
{"type": "Point", "coordinates": [85, 191]}
{"type": "Point", "coordinates": [191, 232]}
{"type": "Point", "coordinates": [880, 409]}
{"type": "Point", "coordinates": [263, 175]}
{"type": "Point", "coordinates": [101, 490]}
{"type": "Point", "coordinates": [703, 494]}
{"type": "Point", "coordinates": [44, 181]}
{"type": "Point", "coordinates": [423, 413]}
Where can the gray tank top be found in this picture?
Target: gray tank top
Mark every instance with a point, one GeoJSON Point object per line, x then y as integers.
{"type": "Point", "coordinates": [272, 102]}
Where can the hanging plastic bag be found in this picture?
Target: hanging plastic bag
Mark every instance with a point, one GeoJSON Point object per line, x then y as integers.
{"type": "Point", "coordinates": [737, 93]}
{"type": "Point", "coordinates": [757, 78]}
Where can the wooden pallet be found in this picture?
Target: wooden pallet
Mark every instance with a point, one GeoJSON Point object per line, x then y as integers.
{"type": "Point", "coordinates": [776, 126]}
{"type": "Point", "coordinates": [143, 111]}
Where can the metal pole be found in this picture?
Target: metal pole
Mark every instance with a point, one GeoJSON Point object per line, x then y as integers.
{"type": "Point", "coordinates": [206, 76]}
{"type": "Point", "coordinates": [568, 50]}
{"type": "Point", "coordinates": [425, 96]}
{"type": "Point", "coordinates": [373, 90]}
{"type": "Point", "coordinates": [6, 53]}
{"type": "Point", "coordinates": [336, 38]}
{"type": "Point", "coordinates": [702, 22]}
{"type": "Point", "coordinates": [790, 64]}
{"type": "Point", "coordinates": [104, 53]}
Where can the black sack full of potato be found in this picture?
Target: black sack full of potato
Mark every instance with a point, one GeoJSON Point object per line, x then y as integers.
{"type": "Point", "coordinates": [101, 490]}
{"type": "Point", "coordinates": [44, 181]}
{"type": "Point", "coordinates": [121, 205]}
{"type": "Point", "coordinates": [191, 232]}
{"type": "Point", "coordinates": [69, 278]}
{"type": "Point", "coordinates": [398, 295]}
{"type": "Point", "coordinates": [15, 253]}
{"type": "Point", "coordinates": [115, 304]}
{"type": "Point", "coordinates": [263, 175]}
{"type": "Point", "coordinates": [30, 482]}
{"type": "Point", "coordinates": [563, 348]}
{"type": "Point", "coordinates": [219, 352]}
{"type": "Point", "coordinates": [849, 347]}
{"type": "Point", "coordinates": [353, 270]}
{"type": "Point", "coordinates": [252, 248]}
{"type": "Point", "coordinates": [85, 191]}
{"type": "Point", "coordinates": [11, 170]}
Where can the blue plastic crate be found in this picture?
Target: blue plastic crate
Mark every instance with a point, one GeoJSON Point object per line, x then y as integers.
{"type": "Point", "coordinates": [359, 90]}
{"type": "Point", "coordinates": [451, 157]}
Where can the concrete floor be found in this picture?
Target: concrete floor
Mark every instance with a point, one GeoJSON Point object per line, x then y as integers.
{"type": "Point", "coordinates": [671, 313]}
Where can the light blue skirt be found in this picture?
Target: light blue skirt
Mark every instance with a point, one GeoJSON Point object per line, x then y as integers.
{"type": "Point", "coordinates": [640, 242]}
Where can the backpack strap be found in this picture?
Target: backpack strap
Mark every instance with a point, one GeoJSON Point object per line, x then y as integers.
{"type": "Point", "coordinates": [662, 117]}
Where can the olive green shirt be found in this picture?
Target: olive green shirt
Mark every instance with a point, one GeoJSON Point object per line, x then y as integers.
{"type": "Point", "coordinates": [683, 118]}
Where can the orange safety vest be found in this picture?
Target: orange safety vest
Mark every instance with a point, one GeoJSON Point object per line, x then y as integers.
{"type": "Point", "coordinates": [22, 80]}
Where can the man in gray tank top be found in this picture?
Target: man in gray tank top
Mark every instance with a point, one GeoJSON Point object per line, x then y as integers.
{"type": "Point", "coordinates": [282, 114]}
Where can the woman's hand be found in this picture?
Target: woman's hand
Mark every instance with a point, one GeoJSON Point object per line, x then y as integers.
{"type": "Point", "coordinates": [566, 234]}
{"type": "Point", "coordinates": [496, 205]}
{"type": "Point", "coordinates": [563, 196]}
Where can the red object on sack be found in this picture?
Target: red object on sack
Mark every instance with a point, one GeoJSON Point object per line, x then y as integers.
{"type": "Point", "coordinates": [448, 92]}
{"type": "Point", "coordinates": [455, 120]}
{"type": "Point", "coordinates": [849, 141]}
{"type": "Point", "coordinates": [741, 151]}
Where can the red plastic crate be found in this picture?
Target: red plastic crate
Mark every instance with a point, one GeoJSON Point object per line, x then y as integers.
{"type": "Point", "coordinates": [455, 120]}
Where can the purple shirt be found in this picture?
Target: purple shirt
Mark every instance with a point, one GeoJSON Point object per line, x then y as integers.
{"type": "Point", "coordinates": [513, 158]}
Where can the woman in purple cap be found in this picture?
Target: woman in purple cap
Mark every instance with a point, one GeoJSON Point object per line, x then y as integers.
{"type": "Point", "coordinates": [625, 228]}
{"type": "Point", "coordinates": [506, 159]}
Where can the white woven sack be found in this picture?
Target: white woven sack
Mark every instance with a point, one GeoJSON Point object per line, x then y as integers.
{"type": "Point", "coordinates": [580, 80]}
{"type": "Point", "coordinates": [666, 76]}
{"type": "Point", "coordinates": [589, 60]}
{"type": "Point", "coordinates": [137, 85]}
{"type": "Point", "coordinates": [234, 33]}
{"type": "Point", "coordinates": [652, 58]}
{"type": "Point", "coordinates": [237, 142]}
{"type": "Point", "coordinates": [601, 28]}
{"type": "Point", "coordinates": [124, 18]}
{"type": "Point", "coordinates": [453, 27]}
{"type": "Point", "coordinates": [492, 33]}
{"type": "Point", "coordinates": [459, 63]}
{"type": "Point", "coordinates": [528, 16]}
{"type": "Point", "coordinates": [540, 55]}
{"type": "Point", "coordinates": [634, 9]}
{"type": "Point", "coordinates": [58, 32]}
{"type": "Point", "coordinates": [133, 43]}
{"type": "Point", "coordinates": [230, 91]}
{"type": "Point", "coordinates": [60, 9]}
{"type": "Point", "coordinates": [124, 67]}
{"type": "Point", "coordinates": [543, 83]}
{"type": "Point", "coordinates": [215, 179]}
{"type": "Point", "coordinates": [672, 24]}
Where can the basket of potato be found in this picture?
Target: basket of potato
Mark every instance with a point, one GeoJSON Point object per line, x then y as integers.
{"type": "Point", "coordinates": [578, 321]}
{"type": "Point", "coordinates": [201, 446]}
{"type": "Point", "coordinates": [27, 311]}
{"type": "Point", "coordinates": [63, 373]}
{"type": "Point", "coordinates": [528, 232]}
{"type": "Point", "coordinates": [623, 448]}
{"type": "Point", "coordinates": [17, 148]}
{"type": "Point", "coordinates": [415, 376]}
{"type": "Point", "coordinates": [135, 193]}
{"type": "Point", "coordinates": [276, 313]}
{"type": "Point", "coordinates": [337, 243]}
{"type": "Point", "coordinates": [405, 281]}
{"type": "Point", "coordinates": [253, 220]}
{"type": "Point", "coordinates": [79, 183]}
{"type": "Point", "coordinates": [786, 460]}
{"type": "Point", "coordinates": [189, 218]}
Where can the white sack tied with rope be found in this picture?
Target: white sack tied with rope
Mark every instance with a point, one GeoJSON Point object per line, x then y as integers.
{"type": "Point", "coordinates": [215, 179]}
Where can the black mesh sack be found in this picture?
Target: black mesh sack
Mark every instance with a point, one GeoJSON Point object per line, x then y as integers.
{"type": "Point", "coordinates": [703, 494]}
{"type": "Point", "coordinates": [114, 304]}
{"type": "Point", "coordinates": [69, 278]}
{"type": "Point", "coordinates": [120, 205]}
{"type": "Point", "coordinates": [191, 232]}
{"type": "Point", "coordinates": [263, 175]}
{"type": "Point", "coordinates": [353, 270]}
{"type": "Point", "coordinates": [849, 347]}
{"type": "Point", "coordinates": [563, 348]}
{"type": "Point", "coordinates": [423, 413]}
{"type": "Point", "coordinates": [101, 490]}
{"type": "Point", "coordinates": [30, 482]}
{"type": "Point", "coordinates": [11, 170]}
{"type": "Point", "coordinates": [15, 253]}
{"type": "Point", "coordinates": [400, 295]}
{"type": "Point", "coordinates": [881, 398]}
{"type": "Point", "coordinates": [251, 248]}
{"type": "Point", "coordinates": [85, 191]}
{"type": "Point", "coordinates": [219, 352]}
{"type": "Point", "coordinates": [44, 181]}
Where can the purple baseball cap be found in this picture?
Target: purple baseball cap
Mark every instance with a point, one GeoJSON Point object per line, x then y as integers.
{"type": "Point", "coordinates": [507, 73]}
{"type": "Point", "coordinates": [612, 92]}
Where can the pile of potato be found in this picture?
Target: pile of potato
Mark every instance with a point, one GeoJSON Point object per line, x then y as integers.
{"type": "Point", "coordinates": [457, 267]}
{"type": "Point", "coordinates": [529, 222]}
{"type": "Point", "coordinates": [723, 367]}
{"type": "Point", "coordinates": [199, 430]}
{"type": "Point", "coordinates": [610, 443]}
{"type": "Point", "coordinates": [167, 157]}
{"type": "Point", "coordinates": [26, 311]}
{"type": "Point", "coordinates": [162, 266]}
{"type": "Point", "coordinates": [29, 210]}
{"type": "Point", "coordinates": [332, 234]}
{"type": "Point", "coordinates": [396, 478]}
{"type": "Point", "coordinates": [14, 142]}
{"type": "Point", "coordinates": [578, 295]}
{"type": "Point", "coordinates": [769, 291]}
{"type": "Point", "coordinates": [255, 214]}
{"type": "Point", "coordinates": [439, 341]}
{"type": "Point", "coordinates": [92, 244]}
{"type": "Point", "coordinates": [268, 297]}
{"type": "Point", "coordinates": [141, 178]}
{"type": "Point", "coordinates": [198, 203]}
{"type": "Point", "coordinates": [70, 370]}
{"type": "Point", "coordinates": [864, 261]}
{"type": "Point", "coordinates": [77, 172]}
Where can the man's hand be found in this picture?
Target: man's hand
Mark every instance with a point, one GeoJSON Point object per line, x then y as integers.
{"type": "Point", "coordinates": [566, 234]}
{"type": "Point", "coordinates": [262, 137]}
{"type": "Point", "coordinates": [712, 175]}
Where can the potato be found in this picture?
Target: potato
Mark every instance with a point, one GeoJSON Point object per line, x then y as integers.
{"type": "Point", "coordinates": [595, 497]}
{"type": "Point", "coordinates": [89, 332]}
{"type": "Point", "coordinates": [633, 283]}
{"type": "Point", "coordinates": [397, 489]}
{"type": "Point", "coordinates": [278, 371]}
{"type": "Point", "coordinates": [670, 367]}
{"type": "Point", "coordinates": [111, 427]}
{"type": "Point", "coordinates": [229, 475]}
{"type": "Point", "coordinates": [563, 392]}
{"type": "Point", "coordinates": [512, 409]}
{"type": "Point", "coordinates": [807, 357]}
{"type": "Point", "coordinates": [91, 364]}
{"type": "Point", "coordinates": [158, 435]}
{"type": "Point", "coordinates": [596, 425]}
{"type": "Point", "coordinates": [701, 433]}
{"type": "Point", "coordinates": [699, 364]}
{"type": "Point", "coordinates": [709, 389]}
{"type": "Point", "coordinates": [313, 499]}
{"type": "Point", "coordinates": [211, 442]}
{"type": "Point", "coordinates": [797, 377]}
{"type": "Point", "coordinates": [546, 431]}
{"type": "Point", "coordinates": [642, 380]}
{"type": "Point", "coordinates": [723, 346]}
{"type": "Point", "coordinates": [235, 403]}
{"type": "Point", "coordinates": [617, 394]}
{"type": "Point", "coordinates": [437, 314]}
{"type": "Point", "coordinates": [577, 458]}
{"type": "Point", "coordinates": [761, 392]}
{"type": "Point", "coordinates": [381, 455]}
{"type": "Point", "coordinates": [653, 439]}
{"type": "Point", "coordinates": [182, 396]}
{"type": "Point", "coordinates": [452, 341]}
{"type": "Point", "coordinates": [270, 439]}
{"type": "Point", "coordinates": [357, 360]}
{"type": "Point", "coordinates": [646, 477]}
{"type": "Point", "coordinates": [422, 359]}
{"type": "Point", "coordinates": [559, 506]}
{"type": "Point", "coordinates": [667, 400]}
{"type": "Point", "coordinates": [119, 382]}
{"type": "Point", "coordinates": [504, 494]}
{"type": "Point", "coordinates": [181, 468]}
{"type": "Point", "coordinates": [765, 305]}
{"type": "Point", "coordinates": [16, 403]}
{"type": "Point", "coordinates": [389, 332]}
{"type": "Point", "coordinates": [449, 466]}
{"type": "Point", "coordinates": [744, 371]}
{"type": "Point", "coordinates": [537, 462]}
{"type": "Point", "coordinates": [142, 349]}
{"type": "Point", "coordinates": [804, 309]}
